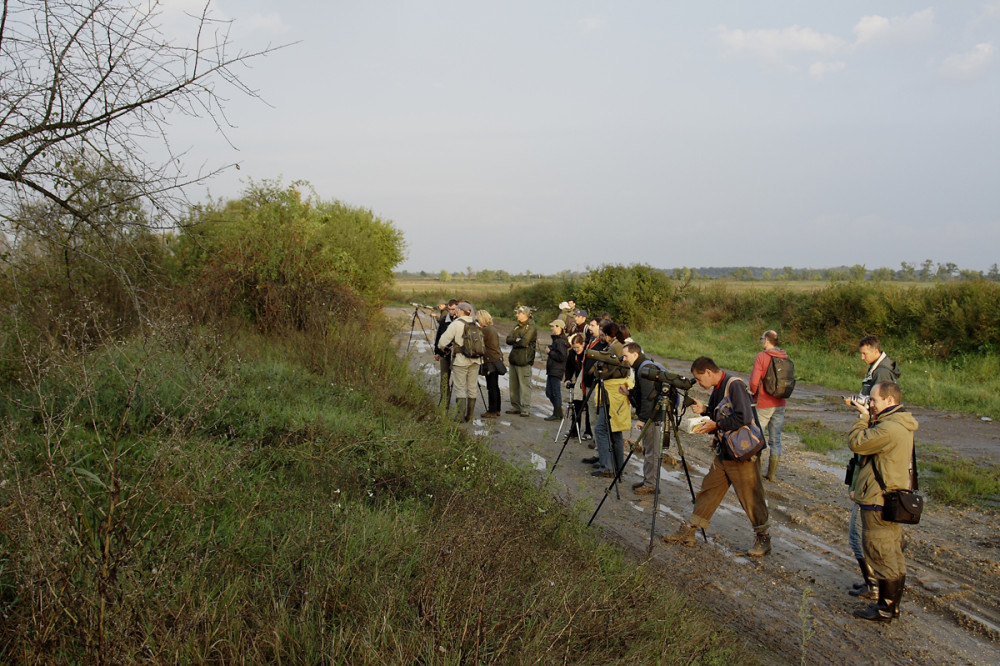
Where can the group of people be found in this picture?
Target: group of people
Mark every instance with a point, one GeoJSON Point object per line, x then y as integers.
{"type": "Point", "coordinates": [616, 388]}
{"type": "Point", "coordinates": [882, 440]}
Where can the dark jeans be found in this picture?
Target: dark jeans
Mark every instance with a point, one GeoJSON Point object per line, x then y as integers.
{"type": "Point", "coordinates": [581, 413]}
{"type": "Point", "coordinates": [553, 391]}
{"type": "Point", "coordinates": [493, 392]}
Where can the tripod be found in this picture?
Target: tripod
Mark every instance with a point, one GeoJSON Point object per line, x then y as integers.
{"type": "Point", "coordinates": [414, 319]}
{"type": "Point", "coordinates": [569, 433]}
{"type": "Point", "coordinates": [604, 402]}
{"type": "Point", "coordinates": [670, 406]}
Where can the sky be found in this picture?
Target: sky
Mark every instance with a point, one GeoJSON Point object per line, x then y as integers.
{"type": "Point", "coordinates": [549, 136]}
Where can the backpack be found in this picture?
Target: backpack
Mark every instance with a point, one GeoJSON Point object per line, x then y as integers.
{"type": "Point", "coordinates": [779, 379]}
{"type": "Point", "coordinates": [473, 343]}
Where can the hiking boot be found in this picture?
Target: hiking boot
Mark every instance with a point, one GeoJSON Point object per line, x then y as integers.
{"type": "Point", "coordinates": [525, 414]}
{"type": "Point", "coordinates": [761, 545]}
{"type": "Point", "coordinates": [606, 474]}
{"type": "Point", "coordinates": [638, 484]}
{"type": "Point", "coordinates": [513, 411]}
{"type": "Point", "coordinates": [645, 490]}
{"type": "Point", "coordinates": [591, 460]}
{"type": "Point", "coordinates": [489, 415]}
{"type": "Point", "coordinates": [686, 535]}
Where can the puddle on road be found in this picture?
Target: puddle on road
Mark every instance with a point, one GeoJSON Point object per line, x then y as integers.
{"type": "Point", "coordinates": [538, 462]}
{"type": "Point", "coordinates": [837, 471]}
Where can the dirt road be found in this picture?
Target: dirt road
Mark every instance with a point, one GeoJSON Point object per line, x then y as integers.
{"type": "Point", "coordinates": [794, 601]}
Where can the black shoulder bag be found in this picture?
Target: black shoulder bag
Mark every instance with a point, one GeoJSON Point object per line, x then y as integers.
{"type": "Point", "coordinates": [901, 506]}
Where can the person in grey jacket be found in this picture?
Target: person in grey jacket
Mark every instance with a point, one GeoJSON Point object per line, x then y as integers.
{"type": "Point", "coordinates": [644, 396]}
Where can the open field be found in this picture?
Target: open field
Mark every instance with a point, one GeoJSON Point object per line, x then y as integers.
{"type": "Point", "coordinates": [431, 290]}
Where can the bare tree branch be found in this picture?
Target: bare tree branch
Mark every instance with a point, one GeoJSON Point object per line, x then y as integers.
{"type": "Point", "coordinates": [96, 81]}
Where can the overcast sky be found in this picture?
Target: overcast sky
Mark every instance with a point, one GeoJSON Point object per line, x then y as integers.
{"type": "Point", "coordinates": [546, 136]}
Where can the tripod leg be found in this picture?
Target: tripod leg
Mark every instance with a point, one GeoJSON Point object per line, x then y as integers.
{"type": "Point", "coordinates": [562, 422]}
{"type": "Point", "coordinates": [413, 320]}
{"type": "Point", "coordinates": [607, 491]}
{"type": "Point", "coordinates": [423, 330]}
{"type": "Point", "coordinates": [565, 442]}
{"type": "Point", "coordinates": [687, 474]}
{"type": "Point", "coordinates": [664, 437]}
{"type": "Point", "coordinates": [605, 401]}
{"type": "Point", "coordinates": [614, 482]}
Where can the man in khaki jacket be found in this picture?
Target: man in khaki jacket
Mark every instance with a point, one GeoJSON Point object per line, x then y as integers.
{"type": "Point", "coordinates": [883, 437]}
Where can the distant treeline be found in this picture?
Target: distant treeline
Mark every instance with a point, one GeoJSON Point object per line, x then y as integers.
{"type": "Point", "coordinates": [926, 271]}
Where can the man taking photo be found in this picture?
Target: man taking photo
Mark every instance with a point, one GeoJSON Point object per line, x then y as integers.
{"type": "Point", "coordinates": [883, 437]}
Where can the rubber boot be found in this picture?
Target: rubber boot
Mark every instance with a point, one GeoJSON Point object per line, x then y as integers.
{"type": "Point", "coordinates": [469, 409]}
{"type": "Point", "coordinates": [869, 587]}
{"type": "Point", "coordinates": [761, 545]}
{"type": "Point", "coordinates": [898, 597]}
{"type": "Point", "coordinates": [460, 409]}
{"type": "Point", "coordinates": [445, 398]}
{"type": "Point", "coordinates": [772, 468]}
{"type": "Point", "coordinates": [883, 610]}
{"type": "Point", "coordinates": [557, 414]}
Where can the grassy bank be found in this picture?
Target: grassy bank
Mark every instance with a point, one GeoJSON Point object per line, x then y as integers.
{"type": "Point", "coordinates": [200, 497]}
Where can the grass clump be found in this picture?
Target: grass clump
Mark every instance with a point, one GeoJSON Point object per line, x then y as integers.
{"type": "Point", "coordinates": [958, 482]}
{"type": "Point", "coordinates": [816, 437]}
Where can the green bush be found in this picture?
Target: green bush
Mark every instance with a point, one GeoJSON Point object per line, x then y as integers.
{"type": "Point", "coordinates": [282, 261]}
{"type": "Point", "coordinates": [636, 295]}
{"type": "Point", "coordinates": [945, 320]}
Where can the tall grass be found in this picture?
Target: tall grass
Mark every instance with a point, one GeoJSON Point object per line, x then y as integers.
{"type": "Point", "coordinates": [202, 498]}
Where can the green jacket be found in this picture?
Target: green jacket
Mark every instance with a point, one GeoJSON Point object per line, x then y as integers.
{"type": "Point", "coordinates": [522, 343]}
{"type": "Point", "coordinates": [887, 443]}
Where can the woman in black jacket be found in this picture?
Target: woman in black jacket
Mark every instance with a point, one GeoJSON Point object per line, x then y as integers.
{"type": "Point", "coordinates": [555, 366]}
{"type": "Point", "coordinates": [492, 366]}
{"type": "Point", "coordinates": [574, 382]}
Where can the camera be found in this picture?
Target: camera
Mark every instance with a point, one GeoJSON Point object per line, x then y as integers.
{"type": "Point", "coordinates": [606, 358]}
{"type": "Point", "coordinates": [858, 398]}
{"type": "Point", "coordinates": [654, 374]}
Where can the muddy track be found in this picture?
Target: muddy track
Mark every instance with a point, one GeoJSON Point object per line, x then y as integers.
{"type": "Point", "coordinates": [796, 598]}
